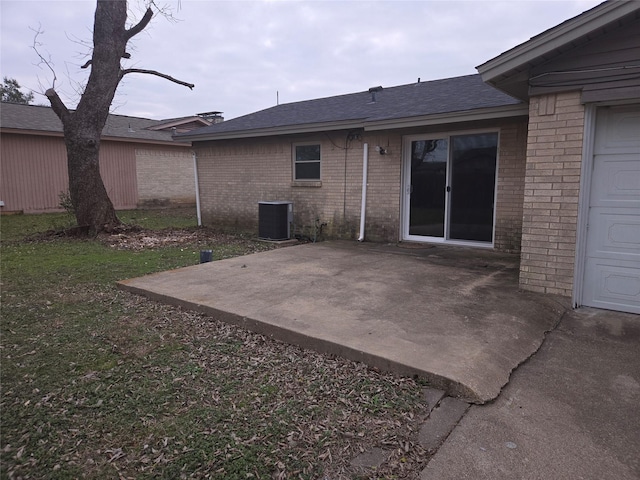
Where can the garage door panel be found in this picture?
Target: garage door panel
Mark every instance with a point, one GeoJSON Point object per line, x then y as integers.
{"type": "Point", "coordinates": [616, 181]}
{"type": "Point", "coordinates": [617, 130]}
{"type": "Point", "coordinates": [613, 285]}
{"type": "Point", "coordinates": [614, 234]}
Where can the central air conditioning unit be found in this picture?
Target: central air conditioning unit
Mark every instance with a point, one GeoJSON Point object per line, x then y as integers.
{"type": "Point", "coordinates": [274, 220]}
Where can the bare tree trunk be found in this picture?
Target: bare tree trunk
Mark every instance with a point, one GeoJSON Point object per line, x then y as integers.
{"type": "Point", "coordinates": [92, 206]}
{"type": "Point", "coordinates": [83, 127]}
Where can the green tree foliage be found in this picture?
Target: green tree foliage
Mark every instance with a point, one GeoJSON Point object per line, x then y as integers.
{"type": "Point", "coordinates": [11, 92]}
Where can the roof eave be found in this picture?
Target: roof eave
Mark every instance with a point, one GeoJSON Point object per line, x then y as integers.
{"type": "Point", "coordinates": [509, 111]}
{"type": "Point", "coordinates": [172, 143]}
{"type": "Point", "coordinates": [26, 131]}
{"type": "Point", "coordinates": [111, 138]}
{"type": "Point", "coordinates": [274, 131]}
{"type": "Point", "coordinates": [547, 42]}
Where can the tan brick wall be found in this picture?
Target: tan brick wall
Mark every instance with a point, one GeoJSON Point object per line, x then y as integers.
{"type": "Point", "coordinates": [165, 176]}
{"type": "Point", "coordinates": [552, 183]}
{"type": "Point", "coordinates": [383, 190]}
{"type": "Point", "coordinates": [510, 186]}
{"type": "Point", "coordinates": [236, 174]}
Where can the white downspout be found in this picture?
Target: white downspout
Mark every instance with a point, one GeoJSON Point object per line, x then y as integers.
{"type": "Point", "coordinates": [363, 207]}
{"type": "Point", "coordinates": [195, 173]}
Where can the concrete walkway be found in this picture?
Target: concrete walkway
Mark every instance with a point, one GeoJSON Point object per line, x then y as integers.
{"type": "Point", "coordinates": [571, 412]}
{"type": "Point", "coordinates": [454, 316]}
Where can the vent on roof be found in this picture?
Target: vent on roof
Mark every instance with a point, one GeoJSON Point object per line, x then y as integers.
{"type": "Point", "coordinates": [373, 91]}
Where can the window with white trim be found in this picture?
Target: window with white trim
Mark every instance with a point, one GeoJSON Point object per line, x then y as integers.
{"type": "Point", "coordinates": [306, 162]}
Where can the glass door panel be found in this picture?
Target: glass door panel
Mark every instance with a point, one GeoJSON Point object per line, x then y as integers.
{"type": "Point", "coordinates": [473, 172]}
{"type": "Point", "coordinates": [428, 181]}
{"type": "Point", "coordinates": [450, 187]}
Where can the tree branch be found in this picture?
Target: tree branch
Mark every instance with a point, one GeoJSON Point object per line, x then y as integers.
{"type": "Point", "coordinates": [57, 105]}
{"type": "Point", "coordinates": [90, 61]}
{"type": "Point", "coordinates": [35, 46]}
{"type": "Point", "coordinates": [136, 29]}
{"type": "Point", "coordinates": [158, 74]}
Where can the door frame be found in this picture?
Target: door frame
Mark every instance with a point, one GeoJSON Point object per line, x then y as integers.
{"type": "Point", "coordinates": [584, 199]}
{"type": "Point", "coordinates": [405, 194]}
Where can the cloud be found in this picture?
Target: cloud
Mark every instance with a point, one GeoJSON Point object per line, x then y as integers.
{"type": "Point", "coordinates": [240, 54]}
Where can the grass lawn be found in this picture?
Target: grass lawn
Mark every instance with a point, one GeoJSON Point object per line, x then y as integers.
{"type": "Point", "coordinates": [100, 383]}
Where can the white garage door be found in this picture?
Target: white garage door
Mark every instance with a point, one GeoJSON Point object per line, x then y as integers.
{"type": "Point", "coordinates": [612, 264]}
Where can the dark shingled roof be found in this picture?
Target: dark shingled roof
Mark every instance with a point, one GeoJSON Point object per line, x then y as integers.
{"type": "Point", "coordinates": [458, 94]}
{"type": "Point", "coordinates": [41, 118]}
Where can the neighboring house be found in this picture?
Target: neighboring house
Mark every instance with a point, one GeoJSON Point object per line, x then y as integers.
{"type": "Point", "coordinates": [539, 154]}
{"type": "Point", "coordinates": [139, 161]}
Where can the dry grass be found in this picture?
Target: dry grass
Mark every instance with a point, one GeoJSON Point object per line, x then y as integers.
{"type": "Point", "coordinates": [99, 383]}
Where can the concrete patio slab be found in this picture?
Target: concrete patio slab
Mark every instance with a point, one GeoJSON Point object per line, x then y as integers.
{"type": "Point", "coordinates": [453, 316]}
{"type": "Point", "coordinates": [571, 412]}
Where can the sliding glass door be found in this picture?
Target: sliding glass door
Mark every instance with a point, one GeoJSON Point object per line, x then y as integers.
{"type": "Point", "coordinates": [428, 179]}
{"type": "Point", "coordinates": [449, 186]}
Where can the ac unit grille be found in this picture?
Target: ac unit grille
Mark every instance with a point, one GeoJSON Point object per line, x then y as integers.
{"type": "Point", "coordinates": [274, 219]}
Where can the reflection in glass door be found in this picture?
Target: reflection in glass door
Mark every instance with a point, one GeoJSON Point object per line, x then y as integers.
{"type": "Point", "coordinates": [428, 182]}
{"type": "Point", "coordinates": [450, 188]}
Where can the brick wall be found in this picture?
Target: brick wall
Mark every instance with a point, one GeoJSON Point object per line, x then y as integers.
{"type": "Point", "coordinates": [510, 186]}
{"type": "Point", "coordinates": [384, 184]}
{"type": "Point", "coordinates": [236, 174]}
{"type": "Point", "coordinates": [550, 209]}
{"type": "Point", "coordinates": [165, 176]}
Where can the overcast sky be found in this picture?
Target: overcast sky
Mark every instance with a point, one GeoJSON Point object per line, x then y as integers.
{"type": "Point", "coordinates": [242, 55]}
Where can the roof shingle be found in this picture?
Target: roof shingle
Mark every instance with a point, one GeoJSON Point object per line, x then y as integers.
{"type": "Point", "coordinates": [44, 119]}
{"type": "Point", "coordinates": [449, 95]}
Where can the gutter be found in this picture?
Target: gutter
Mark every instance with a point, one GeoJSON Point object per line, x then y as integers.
{"type": "Point", "coordinates": [195, 173]}
{"type": "Point", "coordinates": [363, 206]}
{"type": "Point", "coordinates": [490, 113]}
{"type": "Point", "coordinates": [487, 113]}
{"type": "Point", "coordinates": [271, 131]}
{"type": "Point", "coordinates": [110, 138]}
